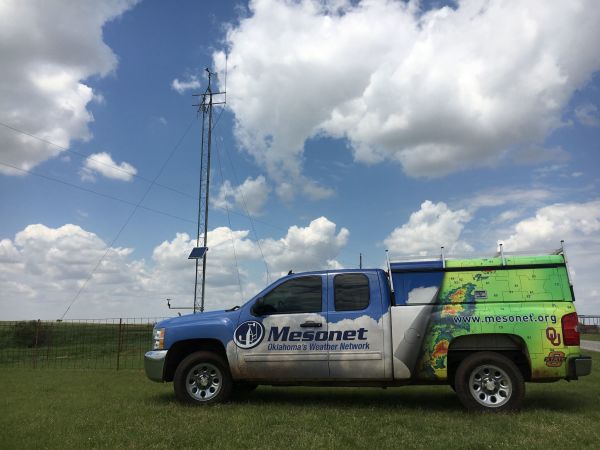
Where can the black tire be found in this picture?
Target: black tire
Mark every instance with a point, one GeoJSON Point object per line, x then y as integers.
{"type": "Point", "coordinates": [202, 378]}
{"type": "Point", "coordinates": [488, 381]}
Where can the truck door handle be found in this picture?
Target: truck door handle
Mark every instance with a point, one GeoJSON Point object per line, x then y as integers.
{"type": "Point", "coordinates": [311, 325]}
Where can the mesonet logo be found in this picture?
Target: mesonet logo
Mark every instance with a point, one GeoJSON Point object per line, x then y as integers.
{"type": "Point", "coordinates": [284, 335]}
{"type": "Point", "coordinates": [249, 334]}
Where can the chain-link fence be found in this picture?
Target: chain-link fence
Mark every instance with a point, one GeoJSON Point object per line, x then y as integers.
{"type": "Point", "coordinates": [87, 344]}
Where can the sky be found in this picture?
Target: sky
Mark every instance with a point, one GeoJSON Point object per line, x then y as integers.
{"type": "Point", "coordinates": [350, 128]}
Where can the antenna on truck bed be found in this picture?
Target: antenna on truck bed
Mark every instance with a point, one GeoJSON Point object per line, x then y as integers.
{"type": "Point", "coordinates": [387, 257]}
{"type": "Point", "coordinates": [563, 252]}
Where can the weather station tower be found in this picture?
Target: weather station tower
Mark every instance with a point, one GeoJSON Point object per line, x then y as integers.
{"type": "Point", "coordinates": [199, 252]}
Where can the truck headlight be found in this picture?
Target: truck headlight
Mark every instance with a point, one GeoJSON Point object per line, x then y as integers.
{"type": "Point", "coordinates": [158, 338]}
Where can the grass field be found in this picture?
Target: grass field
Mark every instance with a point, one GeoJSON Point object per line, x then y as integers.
{"type": "Point", "coordinates": [58, 408]}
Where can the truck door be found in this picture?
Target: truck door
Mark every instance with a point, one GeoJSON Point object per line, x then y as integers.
{"type": "Point", "coordinates": [283, 334]}
{"type": "Point", "coordinates": [356, 326]}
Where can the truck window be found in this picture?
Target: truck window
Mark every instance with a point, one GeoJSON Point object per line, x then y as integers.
{"type": "Point", "coordinates": [351, 292]}
{"type": "Point", "coordinates": [298, 295]}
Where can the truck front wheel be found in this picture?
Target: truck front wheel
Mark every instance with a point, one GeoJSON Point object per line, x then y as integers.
{"type": "Point", "coordinates": [202, 378]}
{"type": "Point", "coordinates": [488, 381]}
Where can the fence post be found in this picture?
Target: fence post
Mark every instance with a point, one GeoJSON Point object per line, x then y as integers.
{"type": "Point", "coordinates": [49, 339]}
{"type": "Point", "coordinates": [35, 343]}
{"type": "Point", "coordinates": [119, 341]}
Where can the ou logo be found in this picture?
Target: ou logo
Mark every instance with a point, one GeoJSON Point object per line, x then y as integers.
{"type": "Point", "coordinates": [249, 334]}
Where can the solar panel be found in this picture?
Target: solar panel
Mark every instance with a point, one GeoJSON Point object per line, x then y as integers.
{"type": "Point", "coordinates": [198, 252]}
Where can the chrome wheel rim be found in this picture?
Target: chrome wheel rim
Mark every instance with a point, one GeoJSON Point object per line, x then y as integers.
{"type": "Point", "coordinates": [203, 381]}
{"type": "Point", "coordinates": [490, 386]}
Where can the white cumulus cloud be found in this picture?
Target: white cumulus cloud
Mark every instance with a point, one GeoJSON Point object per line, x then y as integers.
{"type": "Point", "coordinates": [103, 164]}
{"type": "Point", "coordinates": [433, 226]}
{"type": "Point", "coordinates": [187, 84]}
{"type": "Point", "coordinates": [437, 92]}
{"type": "Point", "coordinates": [251, 195]}
{"type": "Point", "coordinates": [173, 270]}
{"type": "Point", "coordinates": [579, 225]}
{"type": "Point", "coordinates": [306, 248]}
{"type": "Point", "coordinates": [568, 221]}
{"type": "Point", "coordinates": [43, 268]}
{"type": "Point", "coordinates": [48, 49]}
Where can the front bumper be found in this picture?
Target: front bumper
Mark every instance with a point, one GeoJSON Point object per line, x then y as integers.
{"type": "Point", "coordinates": [154, 364]}
{"type": "Point", "coordinates": [579, 367]}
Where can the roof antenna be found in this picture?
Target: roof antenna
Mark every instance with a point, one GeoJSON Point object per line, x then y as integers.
{"type": "Point", "coordinates": [564, 255]}
{"type": "Point", "coordinates": [387, 257]}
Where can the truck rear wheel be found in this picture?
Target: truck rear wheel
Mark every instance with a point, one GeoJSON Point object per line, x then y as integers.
{"type": "Point", "coordinates": [488, 381]}
{"type": "Point", "coordinates": [202, 378]}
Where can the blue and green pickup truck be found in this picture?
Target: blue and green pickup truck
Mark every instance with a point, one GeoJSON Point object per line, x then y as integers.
{"type": "Point", "coordinates": [484, 326]}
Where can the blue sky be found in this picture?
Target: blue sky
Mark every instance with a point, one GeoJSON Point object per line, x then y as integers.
{"type": "Point", "coordinates": [351, 127]}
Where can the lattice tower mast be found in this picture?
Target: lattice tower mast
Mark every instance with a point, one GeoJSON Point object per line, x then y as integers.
{"type": "Point", "coordinates": [206, 109]}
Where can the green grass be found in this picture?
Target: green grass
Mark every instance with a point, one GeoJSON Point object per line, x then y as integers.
{"type": "Point", "coordinates": [590, 336]}
{"type": "Point", "coordinates": [57, 408]}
